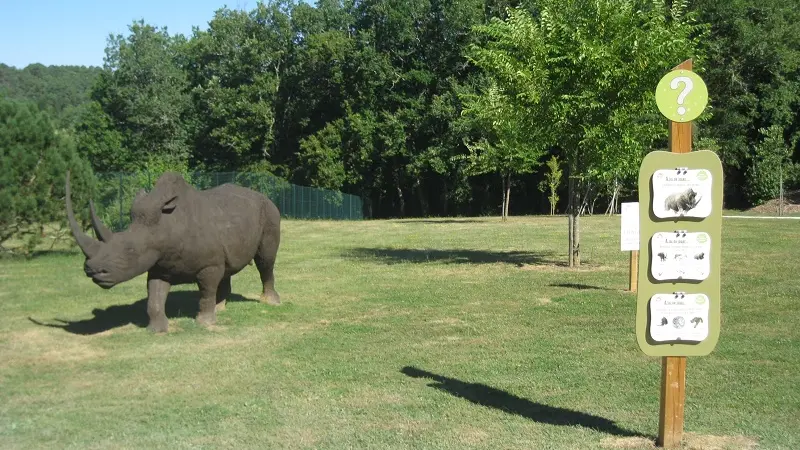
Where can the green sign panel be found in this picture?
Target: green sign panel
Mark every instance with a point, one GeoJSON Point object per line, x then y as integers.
{"type": "Point", "coordinates": [681, 95]}
{"type": "Point", "coordinates": [680, 217]}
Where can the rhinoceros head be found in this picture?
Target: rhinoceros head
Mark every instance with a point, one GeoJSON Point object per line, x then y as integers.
{"type": "Point", "coordinates": [117, 257]}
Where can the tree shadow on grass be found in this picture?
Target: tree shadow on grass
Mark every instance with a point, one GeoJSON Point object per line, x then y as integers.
{"type": "Point", "coordinates": [484, 395]}
{"type": "Point", "coordinates": [452, 256]}
{"type": "Point", "coordinates": [179, 304]}
{"type": "Point", "coordinates": [56, 252]}
{"type": "Point", "coordinates": [579, 286]}
{"type": "Point", "coordinates": [19, 256]}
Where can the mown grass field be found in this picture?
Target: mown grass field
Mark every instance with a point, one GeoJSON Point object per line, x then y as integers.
{"type": "Point", "coordinates": [457, 333]}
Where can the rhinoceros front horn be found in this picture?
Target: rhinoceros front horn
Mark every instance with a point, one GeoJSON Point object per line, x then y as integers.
{"type": "Point", "coordinates": [88, 246]}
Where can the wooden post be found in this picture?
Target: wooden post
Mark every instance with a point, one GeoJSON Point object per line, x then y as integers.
{"type": "Point", "coordinates": [673, 385]}
{"type": "Point", "coordinates": [634, 272]}
{"type": "Point", "coordinates": [673, 372]}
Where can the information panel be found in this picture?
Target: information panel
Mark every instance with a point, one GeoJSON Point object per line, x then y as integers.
{"type": "Point", "coordinates": [680, 256]}
{"type": "Point", "coordinates": [682, 192]}
{"type": "Point", "coordinates": [680, 221]}
{"type": "Point", "coordinates": [679, 317]}
{"type": "Point", "coordinates": [629, 227]}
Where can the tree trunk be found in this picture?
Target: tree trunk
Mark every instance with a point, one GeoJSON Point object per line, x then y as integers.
{"type": "Point", "coordinates": [594, 202]}
{"type": "Point", "coordinates": [423, 201]}
{"type": "Point", "coordinates": [576, 232]}
{"type": "Point", "coordinates": [575, 204]}
{"type": "Point", "coordinates": [553, 198]}
{"type": "Point", "coordinates": [780, 201]}
{"type": "Point", "coordinates": [400, 196]}
{"type": "Point", "coordinates": [506, 196]}
{"type": "Point", "coordinates": [571, 214]}
{"type": "Point", "coordinates": [503, 201]}
{"type": "Point", "coordinates": [571, 225]}
{"type": "Point", "coordinates": [505, 191]}
{"type": "Point", "coordinates": [584, 200]}
{"type": "Point", "coordinates": [576, 240]}
{"type": "Point", "coordinates": [444, 198]}
{"type": "Point", "coordinates": [612, 204]}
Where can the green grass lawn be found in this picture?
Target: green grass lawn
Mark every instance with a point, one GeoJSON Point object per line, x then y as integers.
{"type": "Point", "coordinates": [400, 334]}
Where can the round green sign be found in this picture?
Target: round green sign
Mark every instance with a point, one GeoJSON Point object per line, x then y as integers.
{"type": "Point", "coordinates": [681, 95]}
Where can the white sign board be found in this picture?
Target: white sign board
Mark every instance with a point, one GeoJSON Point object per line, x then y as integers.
{"type": "Point", "coordinates": [681, 193]}
{"type": "Point", "coordinates": [680, 256]}
{"type": "Point", "coordinates": [679, 316]}
{"type": "Point", "coordinates": [629, 233]}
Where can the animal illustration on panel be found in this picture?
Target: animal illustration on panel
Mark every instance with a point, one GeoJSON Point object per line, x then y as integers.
{"type": "Point", "coordinates": [181, 235]}
{"type": "Point", "coordinates": [682, 202]}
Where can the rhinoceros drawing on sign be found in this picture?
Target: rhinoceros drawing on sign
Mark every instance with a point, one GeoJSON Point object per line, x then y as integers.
{"type": "Point", "coordinates": [181, 235]}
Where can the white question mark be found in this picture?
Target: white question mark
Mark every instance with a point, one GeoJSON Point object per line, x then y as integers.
{"type": "Point", "coordinates": [688, 86]}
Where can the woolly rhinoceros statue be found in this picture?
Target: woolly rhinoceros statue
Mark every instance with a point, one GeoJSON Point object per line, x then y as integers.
{"type": "Point", "coordinates": [180, 235]}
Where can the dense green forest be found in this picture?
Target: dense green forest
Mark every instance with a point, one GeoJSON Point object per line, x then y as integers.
{"type": "Point", "coordinates": [439, 107]}
{"type": "Point", "coordinates": [59, 91]}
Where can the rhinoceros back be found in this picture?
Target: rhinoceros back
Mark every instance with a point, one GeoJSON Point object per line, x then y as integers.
{"type": "Point", "coordinates": [241, 217]}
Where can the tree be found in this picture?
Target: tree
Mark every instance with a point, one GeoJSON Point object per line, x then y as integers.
{"type": "Point", "coordinates": [235, 68]}
{"type": "Point", "coordinates": [322, 157]}
{"type": "Point", "coordinates": [34, 159]}
{"type": "Point", "coordinates": [143, 92]}
{"type": "Point", "coordinates": [367, 96]}
{"type": "Point", "coordinates": [771, 166]}
{"type": "Point", "coordinates": [380, 80]}
{"type": "Point", "coordinates": [584, 73]}
{"type": "Point", "coordinates": [60, 91]}
{"type": "Point", "coordinates": [100, 142]}
{"type": "Point", "coordinates": [754, 76]}
{"type": "Point", "coordinates": [509, 145]}
{"type": "Point", "coordinates": [551, 182]}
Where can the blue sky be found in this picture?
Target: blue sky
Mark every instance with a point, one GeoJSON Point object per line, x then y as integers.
{"type": "Point", "coordinates": [60, 32]}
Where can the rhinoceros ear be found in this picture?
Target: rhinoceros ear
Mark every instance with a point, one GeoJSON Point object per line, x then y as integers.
{"type": "Point", "coordinates": [169, 205]}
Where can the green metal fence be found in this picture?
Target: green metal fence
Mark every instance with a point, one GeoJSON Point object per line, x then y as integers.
{"type": "Point", "coordinates": [115, 193]}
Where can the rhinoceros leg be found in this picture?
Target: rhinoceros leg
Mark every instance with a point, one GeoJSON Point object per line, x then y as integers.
{"type": "Point", "coordinates": [265, 262]}
{"type": "Point", "coordinates": [223, 291]}
{"type": "Point", "coordinates": [157, 291]}
{"type": "Point", "coordinates": [208, 281]}
{"type": "Point", "coordinates": [269, 295]}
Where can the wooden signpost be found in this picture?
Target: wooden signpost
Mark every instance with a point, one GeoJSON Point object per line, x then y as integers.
{"type": "Point", "coordinates": [680, 218]}
{"type": "Point", "coordinates": [634, 271]}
